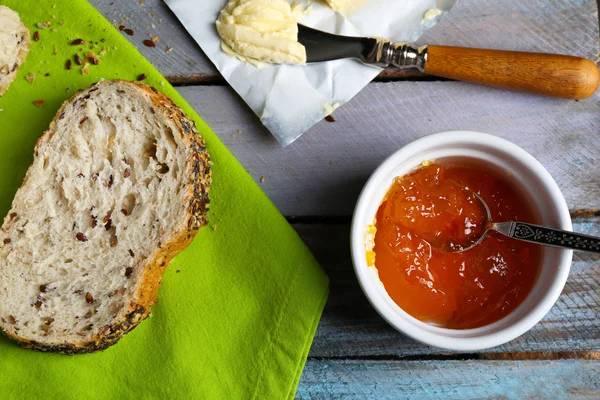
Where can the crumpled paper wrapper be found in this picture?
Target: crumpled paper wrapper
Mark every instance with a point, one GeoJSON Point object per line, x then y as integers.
{"type": "Point", "coordinates": [290, 99]}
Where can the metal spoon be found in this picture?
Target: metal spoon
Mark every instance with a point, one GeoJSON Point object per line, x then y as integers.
{"type": "Point", "coordinates": [532, 233]}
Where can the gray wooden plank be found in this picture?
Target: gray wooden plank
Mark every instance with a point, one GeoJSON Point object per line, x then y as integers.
{"type": "Point", "coordinates": [148, 18]}
{"type": "Point", "coordinates": [538, 25]}
{"type": "Point", "coordinates": [383, 380]}
{"type": "Point", "coordinates": [323, 172]}
{"type": "Point", "coordinates": [350, 327]}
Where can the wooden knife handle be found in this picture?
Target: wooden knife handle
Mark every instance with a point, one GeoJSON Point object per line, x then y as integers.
{"type": "Point", "coordinates": [552, 75]}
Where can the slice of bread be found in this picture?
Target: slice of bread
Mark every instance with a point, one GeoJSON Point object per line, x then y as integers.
{"type": "Point", "coordinates": [118, 187]}
{"type": "Point", "coordinates": [14, 46]}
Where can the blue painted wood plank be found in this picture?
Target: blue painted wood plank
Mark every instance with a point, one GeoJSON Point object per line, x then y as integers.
{"type": "Point", "coordinates": [384, 380]}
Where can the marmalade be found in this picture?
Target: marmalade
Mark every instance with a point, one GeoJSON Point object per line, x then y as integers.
{"type": "Point", "coordinates": [433, 206]}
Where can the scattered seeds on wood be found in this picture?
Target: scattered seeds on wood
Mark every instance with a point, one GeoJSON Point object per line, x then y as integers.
{"type": "Point", "coordinates": [128, 31]}
{"type": "Point", "coordinates": [68, 64]}
{"type": "Point", "coordinates": [38, 103]}
{"type": "Point", "coordinates": [7, 241]}
{"type": "Point", "coordinates": [149, 43]}
{"type": "Point", "coordinates": [89, 298]}
{"type": "Point", "coordinates": [121, 27]}
{"type": "Point", "coordinates": [47, 74]}
{"type": "Point", "coordinates": [78, 60]}
{"type": "Point", "coordinates": [36, 36]}
{"type": "Point", "coordinates": [141, 77]}
{"type": "Point", "coordinates": [77, 42]}
{"type": "Point", "coordinates": [329, 118]}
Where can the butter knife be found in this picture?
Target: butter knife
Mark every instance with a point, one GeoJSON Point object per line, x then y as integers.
{"type": "Point", "coordinates": [553, 75]}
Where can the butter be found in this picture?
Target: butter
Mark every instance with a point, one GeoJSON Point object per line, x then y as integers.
{"type": "Point", "coordinates": [345, 7]}
{"type": "Point", "coordinates": [370, 232]}
{"type": "Point", "coordinates": [260, 32]}
{"type": "Point", "coordinates": [330, 108]}
{"type": "Point", "coordinates": [432, 13]}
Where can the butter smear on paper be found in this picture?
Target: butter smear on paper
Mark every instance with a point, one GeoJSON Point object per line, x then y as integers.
{"type": "Point", "coordinates": [346, 7]}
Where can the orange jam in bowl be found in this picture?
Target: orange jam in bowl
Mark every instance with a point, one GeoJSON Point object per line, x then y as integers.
{"type": "Point", "coordinates": [433, 206]}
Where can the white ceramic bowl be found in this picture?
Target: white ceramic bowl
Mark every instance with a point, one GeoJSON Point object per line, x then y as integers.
{"type": "Point", "coordinates": [536, 184]}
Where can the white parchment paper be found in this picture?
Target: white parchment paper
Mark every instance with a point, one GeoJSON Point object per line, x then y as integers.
{"type": "Point", "coordinates": [290, 99]}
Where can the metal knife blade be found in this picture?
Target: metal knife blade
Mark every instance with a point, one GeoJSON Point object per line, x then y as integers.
{"type": "Point", "coordinates": [323, 46]}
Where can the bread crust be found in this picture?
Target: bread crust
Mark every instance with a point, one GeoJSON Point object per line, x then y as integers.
{"type": "Point", "coordinates": [197, 199]}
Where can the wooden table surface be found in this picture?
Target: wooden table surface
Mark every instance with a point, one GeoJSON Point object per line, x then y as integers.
{"type": "Point", "coordinates": [316, 180]}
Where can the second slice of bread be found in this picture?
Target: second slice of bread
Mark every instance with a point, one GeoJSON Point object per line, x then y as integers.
{"type": "Point", "coordinates": [14, 46]}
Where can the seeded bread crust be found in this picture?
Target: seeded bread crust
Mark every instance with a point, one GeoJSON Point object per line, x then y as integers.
{"type": "Point", "coordinates": [197, 208]}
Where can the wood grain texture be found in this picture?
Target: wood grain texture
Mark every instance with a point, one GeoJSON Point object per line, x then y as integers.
{"type": "Point", "coordinates": [350, 327]}
{"type": "Point", "coordinates": [323, 172]}
{"type": "Point", "coordinates": [554, 26]}
{"type": "Point", "coordinates": [560, 76]}
{"type": "Point", "coordinates": [384, 380]}
{"type": "Point", "coordinates": [185, 63]}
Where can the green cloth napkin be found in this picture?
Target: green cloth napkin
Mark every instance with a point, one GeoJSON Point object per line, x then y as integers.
{"type": "Point", "coordinates": [237, 310]}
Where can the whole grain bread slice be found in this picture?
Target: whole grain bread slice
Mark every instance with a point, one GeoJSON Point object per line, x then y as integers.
{"type": "Point", "coordinates": [14, 46]}
{"type": "Point", "coordinates": [118, 187]}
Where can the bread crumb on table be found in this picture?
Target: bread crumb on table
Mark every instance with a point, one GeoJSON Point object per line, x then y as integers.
{"type": "Point", "coordinates": [262, 179]}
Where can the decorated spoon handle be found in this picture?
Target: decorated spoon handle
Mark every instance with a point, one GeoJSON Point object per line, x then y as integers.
{"type": "Point", "coordinates": [547, 236]}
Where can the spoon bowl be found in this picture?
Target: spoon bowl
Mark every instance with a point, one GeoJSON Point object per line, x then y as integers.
{"type": "Point", "coordinates": [527, 233]}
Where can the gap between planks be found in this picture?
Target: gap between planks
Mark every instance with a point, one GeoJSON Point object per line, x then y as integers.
{"type": "Point", "coordinates": [505, 356]}
{"type": "Point", "coordinates": [384, 76]}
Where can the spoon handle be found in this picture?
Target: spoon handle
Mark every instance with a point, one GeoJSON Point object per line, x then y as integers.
{"type": "Point", "coordinates": [549, 237]}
